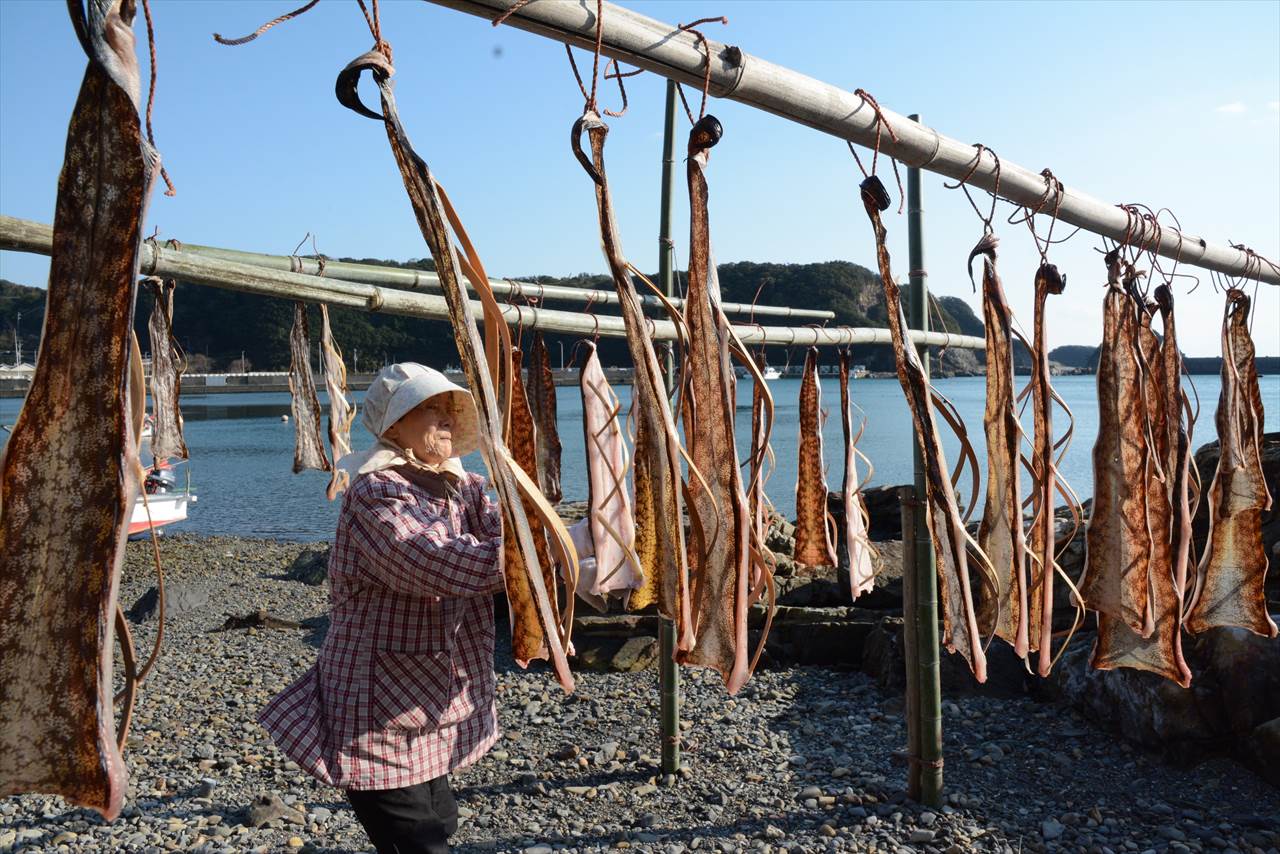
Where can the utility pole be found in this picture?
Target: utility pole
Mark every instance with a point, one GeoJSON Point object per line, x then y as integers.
{"type": "Point", "coordinates": [17, 342]}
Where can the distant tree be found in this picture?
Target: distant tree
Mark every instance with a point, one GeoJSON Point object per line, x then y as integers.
{"type": "Point", "coordinates": [199, 363]}
{"type": "Point", "coordinates": [240, 366]}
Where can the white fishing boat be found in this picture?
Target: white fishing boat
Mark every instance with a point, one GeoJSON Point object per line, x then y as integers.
{"type": "Point", "coordinates": [161, 502]}
{"type": "Point", "coordinates": [769, 372]}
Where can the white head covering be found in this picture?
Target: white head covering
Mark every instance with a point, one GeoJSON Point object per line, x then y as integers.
{"type": "Point", "coordinates": [395, 391]}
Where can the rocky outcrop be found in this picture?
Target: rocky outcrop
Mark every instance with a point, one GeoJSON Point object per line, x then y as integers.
{"type": "Point", "coordinates": [311, 566]}
{"type": "Point", "coordinates": [179, 599]}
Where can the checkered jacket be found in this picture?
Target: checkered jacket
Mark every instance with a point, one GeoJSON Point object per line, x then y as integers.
{"type": "Point", "coordinates": [403, 688]}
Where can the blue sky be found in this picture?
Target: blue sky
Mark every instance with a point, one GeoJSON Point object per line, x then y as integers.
{"type": "Point", "coordinates": [1170, 104]}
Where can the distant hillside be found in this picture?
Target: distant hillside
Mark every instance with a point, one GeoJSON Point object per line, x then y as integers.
{"type": "Point", "coordinates": [17, 300]}
{"type": "Point", "coordinates": [1075, 356]}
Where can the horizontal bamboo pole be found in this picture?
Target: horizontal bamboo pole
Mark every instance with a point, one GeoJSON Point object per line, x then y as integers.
{"type": "Point", "coordinates": [659, 47]}
{"type": "Point", "coordinates": [158, 260]}
{"type": "Point", "coordinates": [374, 274]}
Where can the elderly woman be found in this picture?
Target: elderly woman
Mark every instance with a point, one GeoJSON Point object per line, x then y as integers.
{"type": "Point", "coordinates": [402, 692]}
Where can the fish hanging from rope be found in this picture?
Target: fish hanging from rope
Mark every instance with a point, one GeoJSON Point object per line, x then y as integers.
{"type": "Point", "coordinates": [1118, 645]}
{"type": "Point", "coordinates": [1044, 546]}
{"type": "Point", "coordinates": [166, 375]}
{"type": "Point", "coordinates": [613, 530]}
{"type": "Point", "coordinates": [485, 363]}
{"type": "Point", "coordinates": [954, 549]}
{"type": "Point", "coordinates": [813, 544]}
{"type": "Point", "coordinates": [1000, 533]}
{"type": "Point", "coordinates": [341, 412]}
{"type": "Point", "coordinates": [528, 642]}
{"type": "Point", "coordinates": [1117, 540]}
{"type": "Point", "coordinates": [861, 556]}
{"type": "Point", "coordinates": [1229, 589]}
{"type": "Point", "coordinates": [542, 403]}
{"type": "Point", "coordinates": [724, 556]}
{"type": "Point", "coordinates": [659, 528]}
{"type": "Point", "coordinates": [308, 440]}
{"type": "Point", "coordinates": [75, 444]}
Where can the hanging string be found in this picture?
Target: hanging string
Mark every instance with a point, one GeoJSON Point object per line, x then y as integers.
{"type": "Point", "coordinates": [882, 124]}
{"type": "Point", "coordinates": [262, 29]}
{"type": "Point", "coordinates": [963, 184]}
{"type": "Point", "coordinates": [516, 7]}
{"type": "Point", "coordinates": [151, 93]}
{"type": "Point", "coordinates": [590, 97]}
{"type": "Point", "coordinates": [619, 75]}
{"type": "Point", "coordinates": [375, 29]}
{"type": "Point", "coordinates": [701, 41]}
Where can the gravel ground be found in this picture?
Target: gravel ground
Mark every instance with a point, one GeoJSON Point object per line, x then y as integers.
{"type": "Point", "coordinates": [803, 759]}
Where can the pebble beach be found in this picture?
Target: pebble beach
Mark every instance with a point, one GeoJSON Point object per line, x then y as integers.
{"type": "Point", "coordinates": [803, 759]}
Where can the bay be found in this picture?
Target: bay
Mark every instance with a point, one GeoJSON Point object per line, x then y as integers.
{"type": "Point", "coordinates": [242, 453]}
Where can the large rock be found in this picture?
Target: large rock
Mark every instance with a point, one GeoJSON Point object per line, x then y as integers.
{"type": "Point", "coordinates": [179, 599]}
{"type": "Point", "coordinates": [884, 659]}
{"type": "Point", "coordinates": [1207, 463]}
{"type": "Point", "coordinates": [1235, 689]}
{"type": "Point", "coordinates": [311, 566]}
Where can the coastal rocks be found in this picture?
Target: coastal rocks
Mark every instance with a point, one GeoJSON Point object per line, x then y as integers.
{"type": "Point", "coordinates": [311, 566]}
{"type": "Point", "coordinates": [1263, 748]}
{"type": "Point", "coordinates": [269, 807]}
{"type": "Point", "coordinates": [1206, 460]}
{"type": "Point", "coordinates": [179, 600]}
{"type": "Point", "coordinates": [259, 619]}
{"type": "Point", "coordinates": [1234, 692]}
{"type": "Point", "coordinates": [635, 654]}
{"type": "Point", "coordinates": [884, 659]}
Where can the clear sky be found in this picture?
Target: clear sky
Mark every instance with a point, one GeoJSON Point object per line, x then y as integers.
{"type": "Point", "coordinates": [1170, 104]}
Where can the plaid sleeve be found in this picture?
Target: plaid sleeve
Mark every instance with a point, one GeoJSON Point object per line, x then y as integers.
{"type": "Point", "coordinates": [411, 551]}
{"type": "Point", "coordinates": [483, 513]}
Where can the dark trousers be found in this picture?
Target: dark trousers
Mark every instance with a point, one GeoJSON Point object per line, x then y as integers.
{"type": "Point", "coordinates": [413, 820]}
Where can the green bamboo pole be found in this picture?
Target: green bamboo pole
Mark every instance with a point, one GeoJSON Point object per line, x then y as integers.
{"type": "Point", "coordinates": [668, 673]}
{"type": "Point", "coordinates": [910, 633]}
{"type": "Point", "coordinates": [926, 583]}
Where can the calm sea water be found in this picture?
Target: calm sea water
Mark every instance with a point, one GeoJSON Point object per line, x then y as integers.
{"type": "Point", "coordinates": [241, 452]}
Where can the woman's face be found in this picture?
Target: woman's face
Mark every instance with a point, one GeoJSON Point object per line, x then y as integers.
{"type": "Point", "coordinates": [427, 429]}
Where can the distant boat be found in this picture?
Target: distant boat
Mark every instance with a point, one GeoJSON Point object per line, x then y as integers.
{"type": "Point", "coordinates": [163, 503]}
{"type": "Point", "coordinates": [769, 372]}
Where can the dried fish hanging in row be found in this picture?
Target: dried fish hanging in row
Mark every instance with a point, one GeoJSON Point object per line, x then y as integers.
{"type": "Point", "coordinates": [341, 412]}
{"type": "Point", "coordinates": [953, 546]}
{"type": "Point", "coordinates": [167, 366]}
{"type": "Point", "coordinates": [1229, 589]}
{"type": "Point", "coordinates": [522, 439]}
{"type": "Point", "coordinates": [659, 541]}
{"type": "Point", "coordinates": [761, 456]}
{"type": "Point", "coordinates": [308, 440]}
{"type": "Point", "coordinates": [861, 556]}
{"type": "Point", "coordinates": [814, 527]}
{"type": "Point", "coordinates": [617, 569]}
{"type": "Point", "coordinates": [79, 430]}
{"type": "Point", "coordinates": [533, 617]}
{"type": "Point", "coordinates": [542, 404]}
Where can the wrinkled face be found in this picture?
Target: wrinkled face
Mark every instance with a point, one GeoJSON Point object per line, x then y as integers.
{"type": "Point", "coordinates": [427, 429]}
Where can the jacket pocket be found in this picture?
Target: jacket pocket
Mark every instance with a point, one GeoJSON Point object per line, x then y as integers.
{"type": "Point", "coordinates": [411, 690]}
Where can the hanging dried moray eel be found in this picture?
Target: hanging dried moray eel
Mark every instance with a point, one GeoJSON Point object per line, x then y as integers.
{"type": "Point", "coordinates": [75, 444]}
{"type": "Point", "coordinates": [659, 527]}
{"type": "Point", "coordinates": [723, 557]}
{"type": "Point", "coordinates": [542, 403]}
{"type": "Point", "coordinates": [1117, 644]}
{"type": "Point", "coordinates": [861, 555]}
{"type": "Point", "coordinates": [1229, 582]}
{"type": "Point", "coordinates": [530, 602]}
{"type": "Point", "coordinates": [1044, 548]}
{"type": "Point", "coordinates": [166, 376]}
{"type": "Point", "coordinates": [308, 440]}
{"type": "Point", "coordinates": [1118, 542]}
{"type": "Point", "coordinates": [613, 530]}
{"type": "Point", "coordinates": [1183, 489]}
{"type": "Point", "coordinates": [522, 440]}
{"type": "Point", "coordinates": [341, 412]}
{"type": "Point", "coordinates": [1000, 534]}
{"type": "Point", "coordinates": [814, 545]}
{"type": "Point", "coordinates": [953, 547]}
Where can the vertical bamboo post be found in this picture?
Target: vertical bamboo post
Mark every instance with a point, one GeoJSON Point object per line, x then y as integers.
{"type": "Point", "coordinates": [926, 583]}
{"type": "Point", "coordinates": [910, 633]}
{"type": "Point", "coordinates": [668, 673]}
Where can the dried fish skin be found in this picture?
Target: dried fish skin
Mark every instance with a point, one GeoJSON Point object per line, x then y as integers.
{"type": "Point", "coordinates": [1000, 534]}
{"type": "Point", "coordinates": [74, 443]}
{"type": "Point", "coordinates": [659, 542]}
{"type": "Point", "coordinates": [542, 402]}
{"type": "Point", "coordinates": [483, 362]}
{"type": "Point", "coordinates": [719, 561]}
{"type": "Point", "coordinates": [813, 546]}
{"type": "Point", "coordinates": [1230, 578]}
{"type": "Point", "coordinates": [341, 412]}
{"type": "Point", "coordinates": [1117, 644]}
{"type": "Point", "coordinates": [1117, 539]}
{"type": "Point", "coordinates": [860, 553]}
{"type": "Point", "coordinates": [952, 544]}
{"type": "Point", "coordinates": [613, 531]}
{"type": "Point", "coordinates": [166, 376]}
{"type": "Point", "coordinates": [308, 441]}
